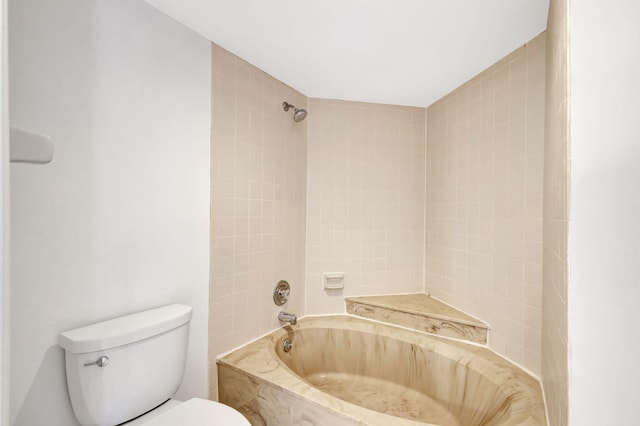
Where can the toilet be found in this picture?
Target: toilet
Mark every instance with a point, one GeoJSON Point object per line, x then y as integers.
{"type": "Point", "coordinates": [126, 370]}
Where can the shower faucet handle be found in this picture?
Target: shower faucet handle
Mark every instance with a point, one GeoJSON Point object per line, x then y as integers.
{"type": "Point", "coordinates": [281, 293]}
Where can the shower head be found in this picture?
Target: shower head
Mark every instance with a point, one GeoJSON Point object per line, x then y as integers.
{"type": "Point", "coordinates": [299, 114]}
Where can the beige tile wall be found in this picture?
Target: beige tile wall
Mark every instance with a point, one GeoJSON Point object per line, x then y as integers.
{"type": "Point", "coordinates": [258, 201]}
{"type": "Point", "coordinates": [556, 183]}
{"type": "Point", "coordinates": [484, 200]}
{"type": "Point", "coordinates": [365, 214]}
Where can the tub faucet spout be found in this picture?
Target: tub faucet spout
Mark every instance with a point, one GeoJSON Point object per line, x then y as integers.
{"type": "Point", "coordinates": [286, 317]}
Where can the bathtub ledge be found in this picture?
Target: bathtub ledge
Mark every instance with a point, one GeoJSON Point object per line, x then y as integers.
{"type": "Point", "coordinates": [420, 312]}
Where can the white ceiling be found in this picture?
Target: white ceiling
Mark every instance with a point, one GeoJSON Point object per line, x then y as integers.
{"type": "Point", "coordinates": [406, 52]}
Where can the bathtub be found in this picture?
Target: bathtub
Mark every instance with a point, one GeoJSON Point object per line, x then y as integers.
{"type": "Point", "coordinates": [345, 370]}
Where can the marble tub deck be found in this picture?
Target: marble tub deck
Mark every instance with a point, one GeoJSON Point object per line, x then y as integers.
{"type": "Point", "coordinates": [345, 370]}
{"type": "Point", "coordinates": [420, 312]}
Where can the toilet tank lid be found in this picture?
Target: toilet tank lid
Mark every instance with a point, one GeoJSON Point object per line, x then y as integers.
{"type": "Point", "coordinates": [124, 330]}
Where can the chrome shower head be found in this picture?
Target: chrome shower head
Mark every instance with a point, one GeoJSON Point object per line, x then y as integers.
{"type": "Point", "coordinates": [299, 114]}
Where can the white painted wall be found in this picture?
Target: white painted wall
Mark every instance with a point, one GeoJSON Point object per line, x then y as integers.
{"type": "Point", "coordinates": [119, 221]}
{"type": "Point", "coordinates": [604, 218]}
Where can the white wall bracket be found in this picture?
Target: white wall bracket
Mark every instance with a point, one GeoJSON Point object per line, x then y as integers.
{"type": "Point", "coordinates": [28, 147]}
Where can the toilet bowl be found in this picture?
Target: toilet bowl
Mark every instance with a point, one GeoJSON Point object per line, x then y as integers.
{"type": "Point", "coordinates": [126, 370]}
{"type": "Point", "coordinates": [194, 412]}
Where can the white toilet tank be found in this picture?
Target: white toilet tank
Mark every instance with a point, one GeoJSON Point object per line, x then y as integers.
{"type": "Point", "coordinates": [124, 367]}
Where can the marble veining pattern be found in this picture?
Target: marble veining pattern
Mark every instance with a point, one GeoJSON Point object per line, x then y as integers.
{"type": "Point", "coordinates": [421, 312]}
{"type": "Point", "coordinates": [345, 370]}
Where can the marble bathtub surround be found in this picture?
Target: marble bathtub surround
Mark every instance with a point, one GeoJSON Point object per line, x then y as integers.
{"type": "Point", "coordinates": [344, 370]}
{"type": "Point", "coordinates": [421, 312]}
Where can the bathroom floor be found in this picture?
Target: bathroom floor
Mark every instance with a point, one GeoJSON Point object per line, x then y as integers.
{"type": "Point", "coordinates": [383, 396]}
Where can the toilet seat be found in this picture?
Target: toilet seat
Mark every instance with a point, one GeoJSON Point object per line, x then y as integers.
{"type": "Point", "coordinates": [199, 412]}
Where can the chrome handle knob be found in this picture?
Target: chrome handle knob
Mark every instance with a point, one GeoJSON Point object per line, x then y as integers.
{"type": "Point", "coordinates": [100, 362]}
{"type": "Point", "coordinates": [281, 293]}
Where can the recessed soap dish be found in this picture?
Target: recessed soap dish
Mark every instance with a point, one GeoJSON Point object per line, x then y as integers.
{"type": "Point", "coordinates": [334, 280]}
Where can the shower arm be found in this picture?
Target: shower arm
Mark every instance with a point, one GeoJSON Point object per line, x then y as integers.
{"type": "Point", "coordinates": [286, 106]}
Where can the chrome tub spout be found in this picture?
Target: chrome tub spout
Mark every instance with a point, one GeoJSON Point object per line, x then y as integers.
{"type": "Point", "coordinates": [286, 317]}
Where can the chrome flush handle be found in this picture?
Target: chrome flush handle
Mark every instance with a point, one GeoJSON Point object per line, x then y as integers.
{"type": "Point", "coordinates": [100, 362]}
